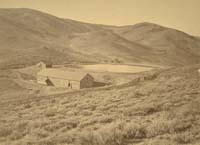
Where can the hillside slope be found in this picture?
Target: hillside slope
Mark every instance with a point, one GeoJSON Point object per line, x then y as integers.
{"type": "Point", "coordinates": [166, 42]}
{"type": "Point", "coordinates": [161, 109]}
{"type": "Point", "coordinates": [28, 36]}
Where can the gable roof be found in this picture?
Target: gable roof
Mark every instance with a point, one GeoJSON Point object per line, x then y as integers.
{"type": "Point", "coordinates": [40, 63]}
{"type": "Point", "coordinates": [61, 74]}
{"type": "Point", "coordinates": [45, 62]}
{"type": "Point", "coordinates": [89, 75]}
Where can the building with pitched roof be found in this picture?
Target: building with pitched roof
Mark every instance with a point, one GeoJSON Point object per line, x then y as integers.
{"type": "Point", "coordinates": [65, 79]}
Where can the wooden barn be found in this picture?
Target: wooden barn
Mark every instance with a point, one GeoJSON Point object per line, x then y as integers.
{"type": "Point", "coordinates": [65, 79]}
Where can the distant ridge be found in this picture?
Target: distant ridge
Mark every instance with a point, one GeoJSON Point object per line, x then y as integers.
{"type": "Point", "coordinates": [28, 36]}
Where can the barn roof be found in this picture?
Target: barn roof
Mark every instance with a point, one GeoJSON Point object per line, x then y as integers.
{"type": "Point", "coordinates": [61, 74]}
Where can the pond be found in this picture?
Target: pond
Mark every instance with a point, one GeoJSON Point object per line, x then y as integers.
{"type": "Point", "coordinates": [114, 68]}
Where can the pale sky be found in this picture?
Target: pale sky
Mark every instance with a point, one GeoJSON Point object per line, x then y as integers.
{"type": "Point", "coordinates": [179, 14]}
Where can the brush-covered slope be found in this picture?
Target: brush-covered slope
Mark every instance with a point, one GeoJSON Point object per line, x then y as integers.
{"type": "Point", "coordinates": [28, 36]}
{"type": "Point", "coordinates": [175, 45]}
{"type": "Point", "coordinates": [161, 109]}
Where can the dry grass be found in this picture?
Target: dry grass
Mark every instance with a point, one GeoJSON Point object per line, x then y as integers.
{"type": "Point", "coordinates": [162, 110]}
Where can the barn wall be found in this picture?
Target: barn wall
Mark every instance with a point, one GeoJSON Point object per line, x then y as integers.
{"type": "Point", "coordinates": [75, 84]}
{"type": "Point", "coordinates": [58, 82]}
{"type": "Point", "coordinates": [86, 82]}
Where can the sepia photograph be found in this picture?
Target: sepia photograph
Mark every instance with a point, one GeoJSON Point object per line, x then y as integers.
{"type": "Point", "coordinates": [99, 72]}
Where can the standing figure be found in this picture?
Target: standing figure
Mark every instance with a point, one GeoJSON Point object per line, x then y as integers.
{"type": "Point", "coordinates": [49, 82]}
{"type": "Point", "coordinates": [69, 84]}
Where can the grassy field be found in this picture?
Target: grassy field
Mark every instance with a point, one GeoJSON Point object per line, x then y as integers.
{"type": "Point", "coordinates": [161, 108]}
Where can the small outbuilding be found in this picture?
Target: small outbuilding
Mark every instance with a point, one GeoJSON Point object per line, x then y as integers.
{"type": "Point", "coordinates": [43, 65]}
{"type": "Point", "coordinates": [65, 79]}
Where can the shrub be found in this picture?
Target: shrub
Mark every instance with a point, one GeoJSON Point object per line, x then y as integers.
{"type": "Point", "coordinates": [5, 131]}
{"type": "Point", "coordinates": [117, 133]}
{"type": "Point", "coordinates": [27, 106]}
{"type": "Point", "coordinates": [163, 126]}
{"type": "Point", "coordinates": [184, 138]}
{"type": "Point", "coordinates": [40, 133]}
{"type": "Point", "coordinates": [50, 113]}
{"type": "Point", "coordinates": [19, 131]}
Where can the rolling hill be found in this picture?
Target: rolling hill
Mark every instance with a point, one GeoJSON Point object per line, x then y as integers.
{"type": "Point", "coordinates": [166, 42]}
{"type": "Point", "coordinates": [28, 36]}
